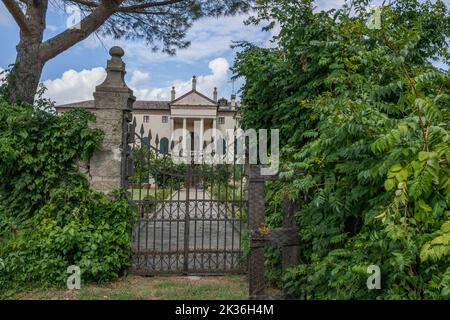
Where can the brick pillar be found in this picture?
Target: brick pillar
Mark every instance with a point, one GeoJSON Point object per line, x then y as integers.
{"type": "Point", "coordinates": [113, 106]}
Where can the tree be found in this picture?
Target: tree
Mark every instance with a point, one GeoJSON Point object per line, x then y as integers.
{"type": "Point", "coordinates": [363, 116]}
{"type": "Point", "coordinates": [162, 23]}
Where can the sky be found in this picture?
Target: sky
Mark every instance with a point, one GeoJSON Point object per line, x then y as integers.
{"type": "Point", "coordinates": [73, 75]}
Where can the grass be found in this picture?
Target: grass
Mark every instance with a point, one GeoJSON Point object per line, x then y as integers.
{"type": "Point", "coordinates": [151, 288]}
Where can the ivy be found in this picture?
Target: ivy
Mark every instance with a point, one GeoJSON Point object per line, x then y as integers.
{"type": "Point", "coordinates": [49, 218]}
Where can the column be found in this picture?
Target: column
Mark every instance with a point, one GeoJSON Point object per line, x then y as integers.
{"type": "Point", "coordinates": [201, 138]}
{"type": "Point", "coordinates": [172, 128]}
{"type": "Point", "coordinates": [113, 102]}
{"type": "Point", "coordinates": [184, 137]}
{"type": "Point", "coordinates": [214, 133]}
{"type": "Point", "coordinates": [202, 130]}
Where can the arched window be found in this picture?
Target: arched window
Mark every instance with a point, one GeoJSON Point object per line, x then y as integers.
{"type": "Point", "coordinates": [164, 146]}
{"type": "Point", "coordinates": [145, 141]}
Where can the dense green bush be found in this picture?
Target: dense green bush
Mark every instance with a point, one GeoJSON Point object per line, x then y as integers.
{"type": "Point", "coordinates": [165, 172]}
{"type": "Point", "coordinates": [38, 151]}
{"type": "Point", "coordinates": [49, 218]}
{"type": "Point", "coordinates": [364, 120]}
{"type": "Point", "coordinates": [75, 227]}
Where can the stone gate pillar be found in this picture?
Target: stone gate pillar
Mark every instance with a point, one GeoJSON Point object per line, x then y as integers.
{"type": "Point", "coordinates": [113, 106]}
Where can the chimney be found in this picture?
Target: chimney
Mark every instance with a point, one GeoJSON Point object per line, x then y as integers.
{"type": "Point", "coordinates": [233, 100]}
{"type": "Point", "coordinates": [172, 94]}
{"type": "Point", "coordinates": [194, 83]}
{"type": "Point", "coordinates": [223, 102]}
{"type": "Point", "coordinates": [215, 94]}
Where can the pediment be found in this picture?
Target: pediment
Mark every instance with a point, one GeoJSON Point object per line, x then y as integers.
{"type": "Point", "coordinates": [193, 98]}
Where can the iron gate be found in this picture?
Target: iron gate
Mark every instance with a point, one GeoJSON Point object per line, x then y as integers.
{"type": "Point", "coordinates": [190, 218]}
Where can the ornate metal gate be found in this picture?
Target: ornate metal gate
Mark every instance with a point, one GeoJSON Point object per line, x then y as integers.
{"type": "Point", "coordinates": [190, 218]}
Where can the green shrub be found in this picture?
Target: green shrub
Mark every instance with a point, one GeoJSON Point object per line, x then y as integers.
{"type": "Point", "coordinates": [39, 150]}
{"type": "Point", "coordinates": [49, 218]}
{"type": "Point", "coordinates": [363, 118]}
{"type": "Point", "coordinates": [75, 227]}
{"type": "Point", "coordinates": [165, 172]}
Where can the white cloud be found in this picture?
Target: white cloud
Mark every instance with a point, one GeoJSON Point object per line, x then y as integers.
{"type": "Point", "coordinates": [76, 86]}
{"type": "Point", "coordinates": [205, 83]}
{"type": "Point", "coordinates": [139, 78]}
{"type": "Point", "coordinates": [326, 5]}
{"type": "Point", "coordinates": [2, 75]}
{"type": "Point", "coordinates": [210, 37]}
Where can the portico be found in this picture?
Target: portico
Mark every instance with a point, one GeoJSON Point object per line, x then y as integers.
{"type": "Point", "coordinates": [202, 126]}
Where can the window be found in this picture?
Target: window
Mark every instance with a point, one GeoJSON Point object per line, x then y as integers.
{"type": "Point", "coordinates": [165, 119]}
{"type": "Point", "coordinates": [164, 146]}
{"type": "Point", "coordinates": [221, 120]}
{"type": "Point", "coordinates": [146, 119]}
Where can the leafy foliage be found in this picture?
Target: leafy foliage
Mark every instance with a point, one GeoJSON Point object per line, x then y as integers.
{"type": "Point", "coordinates": [75, 227]}
{"type": "Point", "coordinates": [38, 149]}
{"type": "Point", "coordinates": [49, 219]}
{"type": "Point", "coordinates": [165, 172]}
{"type": "Point", "coordinates": [363, 117]}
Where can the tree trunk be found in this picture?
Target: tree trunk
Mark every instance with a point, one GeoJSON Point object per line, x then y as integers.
{"type": "Point", "coordinates": [27, 71]}
{"type": "Point", "coordinates": [29, 61]}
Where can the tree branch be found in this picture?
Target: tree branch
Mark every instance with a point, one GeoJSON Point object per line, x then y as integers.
{"type": "Point", "coordinates": [140, 7]}
{"type": "Point", "coordinates": [63, 41]}
{"type": "Point", "coordinates": [86, 3]}
{"type": "Point", "coordinates": [18, 15]}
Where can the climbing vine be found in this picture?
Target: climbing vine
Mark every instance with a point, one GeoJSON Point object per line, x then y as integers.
{"type": "Point", "coordinates": [49, 218]}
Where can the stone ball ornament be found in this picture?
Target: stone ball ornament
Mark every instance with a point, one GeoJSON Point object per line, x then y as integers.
{"type": "Point", "coordinates": [116, 52]}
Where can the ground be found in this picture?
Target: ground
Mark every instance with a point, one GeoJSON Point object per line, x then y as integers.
{"type": "Point", "coordinates": [152, 288]}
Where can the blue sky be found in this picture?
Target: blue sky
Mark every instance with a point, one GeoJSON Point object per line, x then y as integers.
{"type": "Point", "coordinates": [73, 75]}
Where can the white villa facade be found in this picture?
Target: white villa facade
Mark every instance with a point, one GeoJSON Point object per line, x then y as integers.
{"type": "Point", "coordinates": [193, 112]}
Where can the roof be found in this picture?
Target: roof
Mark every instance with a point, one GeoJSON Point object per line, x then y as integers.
{"type": "Point", "coordinates": [151, 105]}
{"type": "Point", "coordinates": [194, 91]}
{"type": "Point", "coordinates": [88, 104]}
{"type": "Point", "coordinates": [138, 105]}
{"type": "Point", "coordinates": [147, 105]}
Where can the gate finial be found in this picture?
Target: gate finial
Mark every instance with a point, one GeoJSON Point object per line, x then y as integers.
{"type": "Point", "coordinates": [115, 72]}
